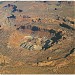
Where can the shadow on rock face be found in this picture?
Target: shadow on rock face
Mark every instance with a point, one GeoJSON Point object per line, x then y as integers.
{"type": "Point", "coordinates": [34, 28]}
{"type": "Point", "coordinates": [66, 26]}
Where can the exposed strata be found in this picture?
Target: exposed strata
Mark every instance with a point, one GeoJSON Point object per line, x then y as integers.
{"type": "Point", "coordinates": [36, 39]}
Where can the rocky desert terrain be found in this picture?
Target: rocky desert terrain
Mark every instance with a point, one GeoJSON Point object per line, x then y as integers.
{"type": "Point", "coordinates": [37, 37]}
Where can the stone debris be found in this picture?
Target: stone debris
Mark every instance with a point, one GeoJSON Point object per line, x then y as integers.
{"type": "Point", "coordinates": [40, 43]}
{"type": "Point", "coordinates": [4, 60]}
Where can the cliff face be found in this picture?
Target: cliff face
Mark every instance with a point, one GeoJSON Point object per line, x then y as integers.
{"type": "Point", "coordinates": [36, 34]}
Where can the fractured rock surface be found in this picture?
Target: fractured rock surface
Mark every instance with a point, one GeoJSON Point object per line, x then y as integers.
{"type": "Point", "coordinates": [36, 34]}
